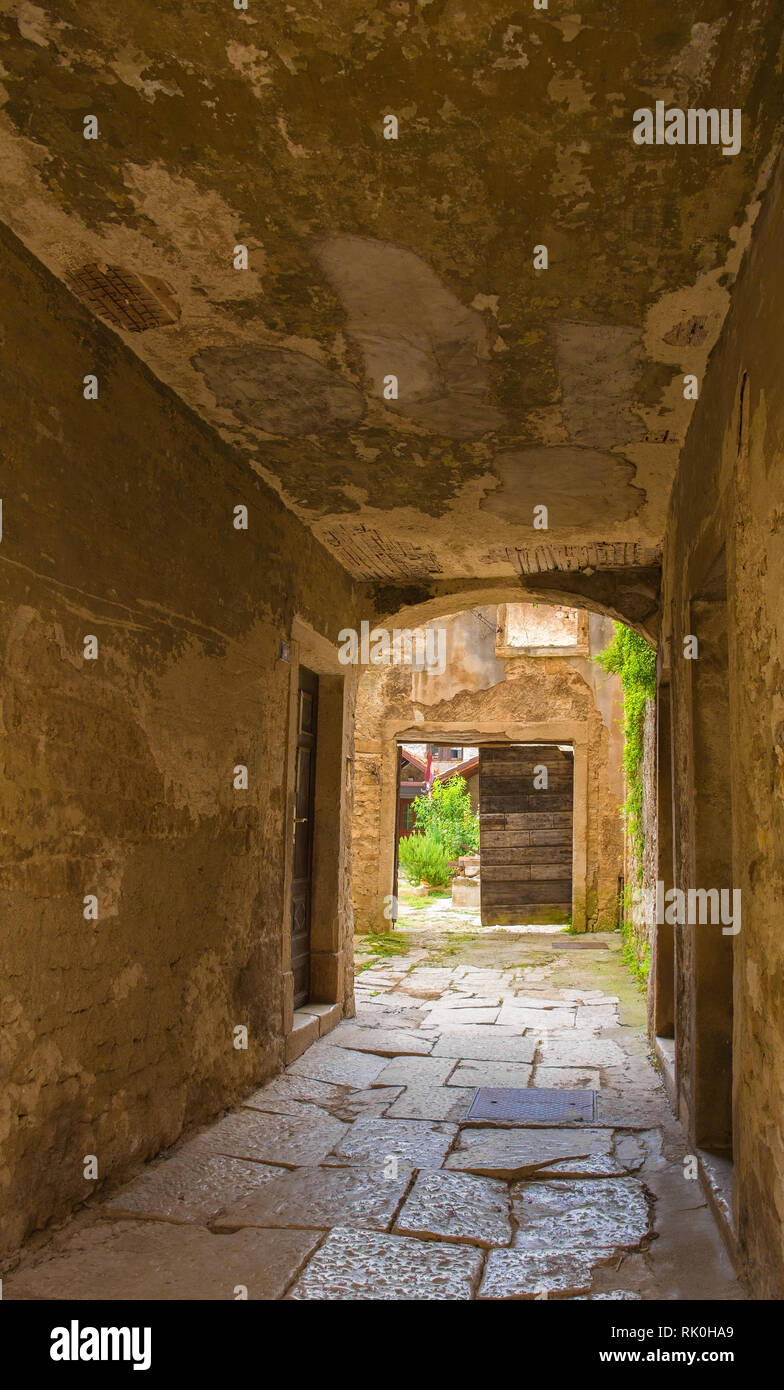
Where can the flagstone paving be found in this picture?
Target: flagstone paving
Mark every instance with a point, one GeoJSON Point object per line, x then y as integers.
{"type": "Point", "coordinates": [357, 1174]}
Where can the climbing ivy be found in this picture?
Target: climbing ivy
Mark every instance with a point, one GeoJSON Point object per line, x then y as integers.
{"type": "Point", "coordinates": [629, 656]}
{"type": "Point", "coordinates": [636, 955]}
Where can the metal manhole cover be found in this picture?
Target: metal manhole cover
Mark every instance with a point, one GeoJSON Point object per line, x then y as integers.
{"type": "Point", "coordinates": [533, 1103]}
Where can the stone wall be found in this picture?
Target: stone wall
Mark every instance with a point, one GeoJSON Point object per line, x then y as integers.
{"type": "Point", "coordinates": [480, 694]}
{"type": "Point", "coordinates": [117, 773]}
{"type": "Point", "coordinates": [724, 577]}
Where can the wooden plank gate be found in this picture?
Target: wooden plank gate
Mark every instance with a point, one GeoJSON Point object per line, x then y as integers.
{"type": "Point", "coordinates": [525, 833]}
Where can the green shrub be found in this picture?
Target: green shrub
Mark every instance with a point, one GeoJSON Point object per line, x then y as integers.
{"type": "Point", "coordinates": [424, 860]}
{"type": "Point", "coordinates": [632, 658]}
{"type": "Point", "coordinates": [447, 817]}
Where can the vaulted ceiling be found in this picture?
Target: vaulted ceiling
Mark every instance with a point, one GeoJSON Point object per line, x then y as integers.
{"type": "Point", "coordinates": [411, 257]}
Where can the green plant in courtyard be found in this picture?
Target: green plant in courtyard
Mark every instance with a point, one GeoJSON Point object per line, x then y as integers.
{"type": "Point", "coordinates": [447, 816]}
{"type": "Point", "coordinates": [424, 859]}
{"type": "Point", "coordinates": [633, 659]}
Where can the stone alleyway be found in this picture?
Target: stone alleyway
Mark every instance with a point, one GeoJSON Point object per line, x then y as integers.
{"type": "Point", "coordinates": [357, 1174]}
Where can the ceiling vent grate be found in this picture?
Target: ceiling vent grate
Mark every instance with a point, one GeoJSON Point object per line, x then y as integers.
{"type": "Point", "coordinates": [133, 302]}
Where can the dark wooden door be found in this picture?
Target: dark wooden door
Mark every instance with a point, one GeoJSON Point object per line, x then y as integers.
{"type": "Point", "coordinates": [304, 783]}
{"type": "Point", "coordinates": [525, 834]}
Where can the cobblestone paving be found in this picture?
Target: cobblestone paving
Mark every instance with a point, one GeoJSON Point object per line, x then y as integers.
{"type": "Point", "coordinates": [358, 1175]}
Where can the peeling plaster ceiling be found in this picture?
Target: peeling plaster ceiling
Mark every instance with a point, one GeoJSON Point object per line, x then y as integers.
{"type": "Point", "coordinates": [413, 258]}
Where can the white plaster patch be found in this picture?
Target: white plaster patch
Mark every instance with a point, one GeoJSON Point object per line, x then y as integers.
{"type": "Point", "coordinates": [34, 24]}
{"type": "Point", "coordinates": [130, 65]}
{"type": "Point", "coordinates": [252, 64]}
{"type": "Point", "coordinates": [198, 228]}
{"type": "Point", "coordinates": [409, 324]}
{"type": "Point", "coordinates": [598, 367]}
{"type": "Point", "coordinates": [694, 63]}
{"type": "Point", "coordinates": [296, 151]}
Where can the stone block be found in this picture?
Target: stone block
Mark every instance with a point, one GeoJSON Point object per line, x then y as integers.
{"type": "Point", "coordinates": [416, 1071]}
{"type": "Point", "coordinates": [528, 1274]}
{"type": "Point", "coordinates": [572, 1078]}
{"type": "Point", "coordinates": [152, 1260]}
{"type": "Point", "coordinates": [423, 1143]}
{"type": "Point", "coordinates": [340, 1065]}
{"type": "Point", "coordinates": [476, 1074]}
{"type": "Point", "coordinates": [386, 1042]}
{"type": "Point", "coordinates": [466, 893]}
{"type": "Point", "coordinates": [191, 1185]}
{"type": "Point", "coordinates": [431, 1103]}
{"type": "Point", "coordinates": [320, 1198]}
{"type": "Point", "coordinates": [361, 1265]}
{"type": "Point", "coordinates": [457, 1206]}
{"type": "Point", "coordinates": [597, 1215]}
{"type": "Point", "coordinates": [328, 1015]}
{"type": "Point", "coordinates": [582, 1052]}
{"type": "Point", "coordinates": [485, 1045]}
{"type": "Point", "coordinates": [279, 1139]}
{"type": "Point", "coordinates": [515, 1153]}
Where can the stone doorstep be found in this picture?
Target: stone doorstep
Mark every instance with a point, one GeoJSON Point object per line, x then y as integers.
{"type": "Point", "coordinates": [716, 1180]}
{"type": "Point", "coordinates": [305, 1030]}
{"type": "Point", "coordinates": [328, 1015]}
{"type": "Point", "coordinates": [312, 1021]}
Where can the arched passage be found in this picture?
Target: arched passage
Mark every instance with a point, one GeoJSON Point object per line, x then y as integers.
{"type": "Point", "coordinates": [505, 687]}
{"type": "Point", "coordinates": [222, 454]}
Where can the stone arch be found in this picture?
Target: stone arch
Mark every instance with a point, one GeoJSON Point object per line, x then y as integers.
{"type": "Point", "coordinates": [532, 697]}
{"type": "Point", "coordinates": [630, 596]}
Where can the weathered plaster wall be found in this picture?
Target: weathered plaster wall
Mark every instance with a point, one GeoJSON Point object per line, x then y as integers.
{"type": "Point", "coordinates": [729, 495]}
{"type": "Point", "coordinates": [540, 625]}
{"type": "Point", "coordinates": [116, 774]}
{"type": "Point", "coordinates": [470, 658]}
{"type": "Point", "coordinates": [528, 691]}
{"type": "Point", "coordinates": [367, 256]}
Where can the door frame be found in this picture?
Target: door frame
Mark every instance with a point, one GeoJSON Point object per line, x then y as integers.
{"type": "Point", "coordinates": [571, 731]}
{"type": "Point", "coordinates": [331, 947]}
{"type": "Point", "coordinates": [309, 812]}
